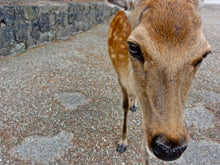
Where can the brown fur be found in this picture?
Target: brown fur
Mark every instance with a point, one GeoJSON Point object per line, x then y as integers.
{"type": "Point", "coordinates": [170, 37]}
{"type": "Point", "coordinates": [171, 21]}
{"type": "Point", "coordinates": [117, 41]}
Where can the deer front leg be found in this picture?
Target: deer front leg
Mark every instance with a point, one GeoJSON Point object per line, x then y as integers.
{"type": "Point", "coordinates": [133, 101]}
{"type": "Point", "coordinates": [122, 145]}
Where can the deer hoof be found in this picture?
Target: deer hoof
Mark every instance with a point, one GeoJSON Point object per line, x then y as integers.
{"type": "Point", "coordinates": [121, 148]}
{"type": "Point", "coordinates": [133, 108]}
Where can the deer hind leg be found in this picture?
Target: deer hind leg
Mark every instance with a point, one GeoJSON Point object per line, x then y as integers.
{"type": "Point", "coordinates": [133, 101]}
{"type": "Point", "coordinates": [122, 145]}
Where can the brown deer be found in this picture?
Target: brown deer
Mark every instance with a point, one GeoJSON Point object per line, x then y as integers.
{"type": "Point", "coordinates": [156, 47]}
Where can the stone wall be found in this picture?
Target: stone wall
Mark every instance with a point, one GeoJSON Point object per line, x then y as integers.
{"type": "Point", "coordinates": [23, 26]}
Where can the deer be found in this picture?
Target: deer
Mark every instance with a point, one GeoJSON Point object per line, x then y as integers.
{"type": "Point", "coordinates": [156, 48]}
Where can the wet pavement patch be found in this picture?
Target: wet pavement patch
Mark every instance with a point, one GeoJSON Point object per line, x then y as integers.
{"type": "Point", "coordinates": [198, 150]}
{"type": "Point", "coordinates": [199, 117]}
{"type": "Point", "coordinates": [43, 149]}
{"type": "Point", "coordinates": [71, 101]}
{"type": "Point", "coordinates": [209, 97]}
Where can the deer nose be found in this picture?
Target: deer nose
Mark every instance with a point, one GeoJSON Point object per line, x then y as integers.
{"type": "Point", "coordinates": [167, 150]}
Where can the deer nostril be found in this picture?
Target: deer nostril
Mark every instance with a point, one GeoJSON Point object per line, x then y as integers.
{"type": "Point", "coordinates": [166, 150]}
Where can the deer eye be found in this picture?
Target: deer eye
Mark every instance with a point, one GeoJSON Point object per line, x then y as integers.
{"type": "Point", "coordinates": [205, 55]}
{"type": "Point", "coordinates": [135, 51]}
{"type": "Point", "coordinates": [200, 60]}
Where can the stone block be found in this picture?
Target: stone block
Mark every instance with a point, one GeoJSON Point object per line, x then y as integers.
{"type": "Point", "coordinates": [73, 13]}
{"type": "Point", "coordinates": [51, 35]}
{"type": "Point", "coordinates": [35, 33]}
{"type": "Point", "coordinates": [19, 13]}
{"type": "Point", "coordinates": [8, 13]}
{"type": "Point", "coordinates": [52, 22]}
{"type": "Point", "coordinates": [5, 51]}
{"type": "Point", "coordinates": [47, 36]}
{"type": "Point", "coordinates": [31, 12]}
{"type": "Point", "coordinates": [1, 15]}
{"type": "Point", "coordinates": [21, 32]}
{"type": "Point", "coordinates": [44, 22]}
{"type": "Point", "coordinates": [70, 29]}
{"type": "Point", "coordinates": [60, 18]}
{"type": "Point", "coordinates": [30, 43]}
{"type": "Point", "coordinates": [17, 48]}
{"type": "Point", "coordinates": [58, 15]}
{"type": "Point", "coordinates": [62, 32]}
{"type": "Point", "coordinates": [35, 30]}
{"type": "Point", "coordinates": [43, 38]}
{"type": "Point", "coordinates": [21, 36]}
{"type": "Point", "coordinates": [6, 36]}
{"type": "Point", "coordinates": [71, 18]}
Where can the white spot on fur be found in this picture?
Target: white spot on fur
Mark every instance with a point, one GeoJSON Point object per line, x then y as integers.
{"type": "Point", "coordinates": [122, 21]}
{"type": "Point", "coordinates": [124, 34]}
{"type": "Point", "coordinates": [120, 39]}
{"type": "Point", "coordinates": [113, 56]}
{"type": "Point", "coordinates": [125, 25]}
{"type": "Point", "coordinates": [121, 56]}
{"type": "Point", "coordinates": [111, 49]}
{"type": "Point", "coordinates": [116, 38]}
{"type": "Point", "coordinates": [122, 46]}
{"type": "Point", "coordinates": [115, 34]}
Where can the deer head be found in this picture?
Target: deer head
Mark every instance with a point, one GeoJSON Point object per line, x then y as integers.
{"type": "Point", "coordinates": [166, 47]}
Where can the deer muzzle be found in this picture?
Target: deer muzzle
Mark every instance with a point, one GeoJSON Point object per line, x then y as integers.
{"type": "Point", "coordinates": [167, 150]}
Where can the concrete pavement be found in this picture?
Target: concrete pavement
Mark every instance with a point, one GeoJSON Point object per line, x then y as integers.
{"type": "Point", "coordinates": [61, 104]}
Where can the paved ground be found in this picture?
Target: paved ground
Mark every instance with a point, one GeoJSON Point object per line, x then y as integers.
{"type": "Point", "coordinates": [61, 104]}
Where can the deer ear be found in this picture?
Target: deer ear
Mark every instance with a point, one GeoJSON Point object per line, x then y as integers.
{"type": "Point", "coordinates": [125, 5]}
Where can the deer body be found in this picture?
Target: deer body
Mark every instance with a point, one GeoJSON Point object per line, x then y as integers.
{"type": "Point", "coordinates": [156, 49]}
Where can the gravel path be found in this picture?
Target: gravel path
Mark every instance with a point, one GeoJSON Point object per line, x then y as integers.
{"type": "Point", "coordinates": [61, 104]}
